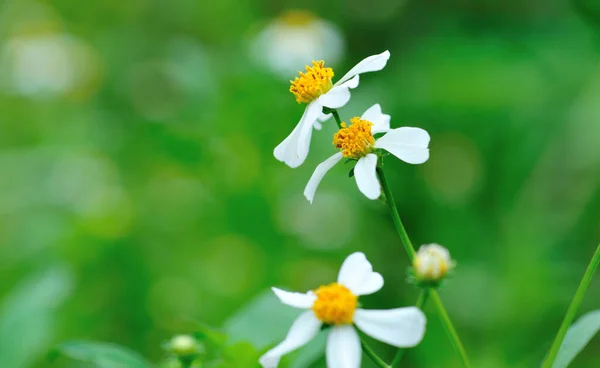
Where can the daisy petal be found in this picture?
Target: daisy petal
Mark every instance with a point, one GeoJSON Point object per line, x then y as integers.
{"type": "Point", "coordinates": [336, 97]}
{"type": "Point", "coordinates": [401, 327]}
{"type": "Point", "coordinates": [357, 275]}
{"type": "Point", "coordinates": [371, 64]}
{"type": "Point", "coordinates": [294, 149]}
{"type": "Point", "coordinates": [296, 300]}
{"type": "Point", "coordinates": [304, 329]}
{"type": "Point", "coordinates": [317, 176]}
{"type": "Point", "coordinates": [350, 83]}
{"type": "Point", "coordinates": [343, 347]}
{"type": "Point", "coordinates": [381, 121]}
{"type": "Point", "coordinates": [366, 177]}
{"type": "Point", "coordinates": [406, 143]}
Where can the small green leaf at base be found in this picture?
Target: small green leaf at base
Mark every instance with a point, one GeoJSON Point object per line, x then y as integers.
{"type": "Point", "coordinates": [103, 355]}
{"type": "Point", "coordinates": [578, 336]}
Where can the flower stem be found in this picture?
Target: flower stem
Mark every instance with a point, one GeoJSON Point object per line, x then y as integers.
{"type": "Point", "coordinates": [421, 300]}
{"type": "Point", "coordinates": [572, 310]}
{"type": "Point", "coordinates": [186, 363]}
{"type": "Point", "coordinates": [447, 323]}
{"type": "Point", "coordinates": [337, 118]}
{"type": "Point", "coordinates": [410, 250]}
{"type": "Point", "coordinates": [374, 357]}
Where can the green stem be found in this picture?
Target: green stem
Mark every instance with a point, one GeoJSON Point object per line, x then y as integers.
{"type": "Point", "coordinates": [447, 323]}
{"type": "Point", "coordinates": [575, 303]}
{"type": "Point", "coordinates": [421, 300]}
{"type": "Point", "coordinates": [374, 357]}
{"type": "Point", "coordinates": [337, 118]}
{"type": "Point", "coordinates": [410, 250]}
{"type": "Point", "coordinates": [186, 363]}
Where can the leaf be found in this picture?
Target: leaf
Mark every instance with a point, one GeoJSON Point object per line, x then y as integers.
{"type": "Point", "coordinates": [578, 336]}
{"type": "Point", "coordinates": [104, 355]}
{"type": "Point", "coordinates": [27, 316]}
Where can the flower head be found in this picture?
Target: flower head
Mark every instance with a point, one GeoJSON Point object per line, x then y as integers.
{"type": "Point", "coordinates": [336, 305]}
{"type": "Point", "coordinates": [311, 85]}
{"type": "Point", "coordinates": [357, 142]}
{"type": "Point", "coordinates": [432, 263]}
{"type": "Point", "coordinates": [315, 88]}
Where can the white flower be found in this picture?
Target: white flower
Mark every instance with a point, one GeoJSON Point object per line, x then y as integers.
{"type": "Point", "coordinates": [357, 142]}
{"type": "Point", "coordinates": [316, 90]}
{"type": "Point", "coordinates": [432, 262]}
{"type": "Point", "coordinates": [336, 305]}
{"type": "Point", "coordinates": [295, 36]}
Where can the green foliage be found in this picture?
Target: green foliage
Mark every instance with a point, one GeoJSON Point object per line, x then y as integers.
{"type": "Point", "coordinates": [578, 336]}
{"type": "Point", "coordinates": [28, 313]}
{"type": "Point", "coordinates": [102, 355]}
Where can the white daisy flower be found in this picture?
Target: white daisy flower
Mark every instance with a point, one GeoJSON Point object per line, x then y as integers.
{"type": "Point", "coordinates": [315, 89]}
{"type": "Point", "coordinates": [336, 305]}
{"type": "Point", "coordinates": [356, 142]}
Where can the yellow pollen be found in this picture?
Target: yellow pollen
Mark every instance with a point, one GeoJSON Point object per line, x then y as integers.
{"type": "Point", "coordinates": [356, 140]}
{"type": "Point", "coordinates": [312, 84]}
{"type": "Point", "coordinates": [335, 304]}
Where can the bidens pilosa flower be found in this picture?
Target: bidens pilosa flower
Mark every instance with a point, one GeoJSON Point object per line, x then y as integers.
{"type": "Point", "coordinates": [432, 263]}
{"type": "Point", "coordinates": [336, 305]}
{"type": "Point", "coordinates": [315, 88]}
{"type": "Point", "coordinates": [357, 142]}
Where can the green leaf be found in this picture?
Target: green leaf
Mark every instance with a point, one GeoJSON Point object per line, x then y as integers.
{"type": "Point", "coordinates": [27, 316]}
{"type": "Point", "coordinates": [103, 355]}
{"type": "Point", "coordinates": [578, 336]}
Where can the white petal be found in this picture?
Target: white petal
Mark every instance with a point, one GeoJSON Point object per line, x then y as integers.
{"type": "Point", "coordinates": [304, 329]}
{"type": "Point", "coordinates": [381, 121]}
{"type": "Point", "coordinates": [371, 64]}
{"type": "Point", "coordinates": [407, 143]}
{"type": "Point", "coordinates": [357, 275]}
{"type": "Point", "coordinates": [317, 125]}
{"type": "Point", "coordinates": [335, 98]}
{"type": "Point", "coordinates": [296, 300]}
{"type": "Point", "coordinates": [366, 176]}
{"type": "Point", "coordinates": [317, 176]}
{"type": "Point", "coordinates": [324, 117]}
{"type": "Point", "coordinates": [294, 149]}
{"type": "Point", "coordinates": [343, 347]}
{"type": "Point", "coordinates": [350, 83]}
{"type": "Point", "coordinates": [401, 327]}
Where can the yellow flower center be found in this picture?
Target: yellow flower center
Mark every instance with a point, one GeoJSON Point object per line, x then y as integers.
{"type": "Point", "coordinates": [312, 84]}
{"type": "Point", "coordinates": [356, 140]}
{"type": "Point", "coordinates": [335, 304]}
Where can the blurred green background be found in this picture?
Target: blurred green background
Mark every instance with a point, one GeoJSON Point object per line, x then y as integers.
{"type": "Point", "coordinates": [139, 193]}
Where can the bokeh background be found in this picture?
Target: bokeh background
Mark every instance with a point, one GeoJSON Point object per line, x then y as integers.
{"type": "Point", "coordinates": [139, 194]}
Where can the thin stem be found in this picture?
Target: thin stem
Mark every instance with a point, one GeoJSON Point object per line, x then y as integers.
{"type": "Point", "coordinates": [421, 300]}
{"type": "Point", "coordinates": [572, 310]}
{"type": "Point", "coordinates": [374, 357]}
{"type": "Point", "coordinates": [337, 118]}
{"type": "Point", "coordinates": [186, 363]}
{"type": "Point", "coordinates": [410, 250]}
{"type": "Point", "coordinates": [447, 323]}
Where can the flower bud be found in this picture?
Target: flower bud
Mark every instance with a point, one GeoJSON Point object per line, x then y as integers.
{"type": "Point", "coordinates": [184, 346]}
{"type": "Point", "coordinates": [432, 263]}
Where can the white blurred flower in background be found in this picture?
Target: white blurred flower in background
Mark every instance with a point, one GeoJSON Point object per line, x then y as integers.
{"type": "Point", "coordinates": [289, 41]}
{"type": "Point", "coordinates": [41, 65]}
